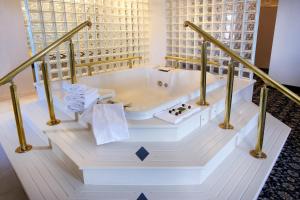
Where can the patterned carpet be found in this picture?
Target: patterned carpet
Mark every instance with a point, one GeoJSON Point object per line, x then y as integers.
{"type": "Point", "coordinates": [284, 180]}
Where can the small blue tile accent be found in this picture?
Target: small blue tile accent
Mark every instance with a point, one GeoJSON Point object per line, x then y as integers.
{"type": "Point", "coordinates": [142, 197]}
{"type": "Point", "coordinates": [142, 153]}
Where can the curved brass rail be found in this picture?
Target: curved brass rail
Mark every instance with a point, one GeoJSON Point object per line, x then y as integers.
{"type": "Point", "coordinates": [8, 77]}
{"type": "Point", "coordinates": [192, 60]}
{"type": "Point", "coordinates": [108, 61]}
{"type": "Point", "coordinates": [267, 79]}
{"type": "Point", "coordinates": [90, 65]}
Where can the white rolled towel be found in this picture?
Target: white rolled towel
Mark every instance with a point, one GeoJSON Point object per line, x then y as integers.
{"type": "Point", "coordinates": [71, 98]}
{"type": "Point", "coordinates": [75, 107]}
{"type": "Point", "coordinates": [80, 103]}
{"type": "Point", "coordinates": [78, 97]}
{"type": "Point", "coordinates": [67, 87]}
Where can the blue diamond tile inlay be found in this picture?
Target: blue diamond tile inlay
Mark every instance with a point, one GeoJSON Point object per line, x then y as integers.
{"type": "Point", "coordinates": [142, 153]}
{"type": "Point", "coordinates": [142, 197]}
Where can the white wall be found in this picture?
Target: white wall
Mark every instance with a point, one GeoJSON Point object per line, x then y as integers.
{"type": "Point", "coordinates": [13, 47]}
{"type": "Point", "coordinates": [285, 57]}
{"type": "Point", "coordinates": [158, 31]}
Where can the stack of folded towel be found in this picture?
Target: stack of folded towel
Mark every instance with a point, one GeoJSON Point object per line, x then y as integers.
{"type": "Point", "coordinates": [78, 97]}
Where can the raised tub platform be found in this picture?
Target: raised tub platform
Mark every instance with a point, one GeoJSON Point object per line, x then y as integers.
{"type": "Point", "coordinates": [207, 163]}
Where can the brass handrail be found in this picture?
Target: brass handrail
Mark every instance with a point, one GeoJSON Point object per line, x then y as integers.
{"type": "Point", "coordinates": [108, 61]}
{"type": "Point", "coordinates": [191, 60]}
{"type": "Point", "coordinates": [257, 152]}
{"type": "Point", "coordinates": [8, 78]}
{"type": "Point", "coordinates": [267, 79]}
{"type": "Point", "coordinates": [90, 64]}
{"type": "Point", "coordinates": [38, 57]}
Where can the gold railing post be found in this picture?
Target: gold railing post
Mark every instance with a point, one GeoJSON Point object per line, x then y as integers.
{"type": "Point", "coordinates": [90, 73]}
{"type": "Point", "coordinates": [130, 64]}
{"type": "Point", "coordinates": [257, 152]}
{"type": "Point", "coordinates": [19, 122]}
{"type": "Point", "coordinates": [228, 101]}
{"type": "Point", "coordinates": [202, 101]}
{"type": "Point", "coordinates": [72, 62]}
{"type": "Point", "coordinates": [33, 73]}
{"type": "Point", "coordinates": [53, 121]}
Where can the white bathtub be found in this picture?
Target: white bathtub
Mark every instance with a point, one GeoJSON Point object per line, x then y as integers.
{"type": "Point", "coordinates": [140, 87]}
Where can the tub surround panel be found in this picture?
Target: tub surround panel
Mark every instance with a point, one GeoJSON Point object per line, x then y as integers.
{"type": "Point", "coordinates": [153, 129]}
{"type": "Point", "coordinates": [119, 160]}
{"type": "Point", "coordinates": [197, 135]}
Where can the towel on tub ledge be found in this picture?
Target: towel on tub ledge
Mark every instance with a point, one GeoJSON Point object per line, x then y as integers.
{"type": "Point", "coordinates": [108, 122]}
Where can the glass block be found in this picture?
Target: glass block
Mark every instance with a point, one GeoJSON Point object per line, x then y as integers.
{"type": "Point", "coordinates": [251, 6]}
{"type": "Point", "coordinates": [237, 27]}
{"type": "Point", "coordinates": [49, 27]}
{"type": "Point", "coordinates": [35, 17]}
{"type": "Point", "coordinates": [249, 36]}
{"type": "Point", "coordinates": [227, 27]}
{"type": "Point", "coordinates": [247, 55]}
{"type": "Point", "coordinates": [36, 27]}
{"type": "Point", "coordinates": [251, 16]}
{"type": "Point", "coordinates": [238, 17]}
{"type": "Point", "coordinates": [33, 5]}
{"type": "Point", "coordinates": [228, 17]}
{"type": "Point", "coordinates": [80, 17]}
{"type": "Point", "coordinates": [38, 38]}
{"type": "Point", "coordinates": [217, 18]}
{"type": "Point", "coordinates": [46, 6]}
{"type": "Point", "coordinates": [228, 7]}
{"type": "Point", "coordinates": [71, 17]}
{"type": "Point", "coordinates": [236, 45]}
{"type": "Point", "coordinates": [226, 36]}
{"type": "Point", "coordinates": [248, 46]}
{"type": "Point", "coordinates": [70, 8]}
{"type": "Point", "coordinates": [209, 9]}
{"type": "Point", "coordinates": [250, 27]}
{"type": "Point", "coordinates": [61, 27]}
{"type": "Point", "coordinates": [79, 8]}
{"type": "Point", "coordinates": [237, 36]}
{"type": "Point", "coordinates": [60, 17]}
{"type": "Point", "coordinates": [239, 7]}
{"type": "Point", "coordinates": [59, 7]}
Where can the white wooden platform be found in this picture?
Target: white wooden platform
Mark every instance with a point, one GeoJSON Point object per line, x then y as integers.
{"type": "Point", "coordinates": [188, 161]}
{"type": "Point", "coordinates": [45, 176]}
{"type": "Point", "coordinates": [160, 131]}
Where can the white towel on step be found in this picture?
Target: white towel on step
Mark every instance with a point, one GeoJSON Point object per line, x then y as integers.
{"type": "Point", "coordinates": [78, 97]}
{"type": "Point", "coordinates": [68, 87]}
{"type": "Point", "coordinates": [109, 123]}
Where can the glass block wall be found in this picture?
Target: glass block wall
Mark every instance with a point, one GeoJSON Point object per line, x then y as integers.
{"type": "Point", "coordinates": [119, 30]}
{"type": "Point", "coordinates": [234, 22]}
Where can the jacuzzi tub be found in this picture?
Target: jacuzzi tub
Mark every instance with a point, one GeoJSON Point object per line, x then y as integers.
{"type": "Point", "coordinates": [146, 89]}
{"type": "Point", "coordinates": [149, 91]}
